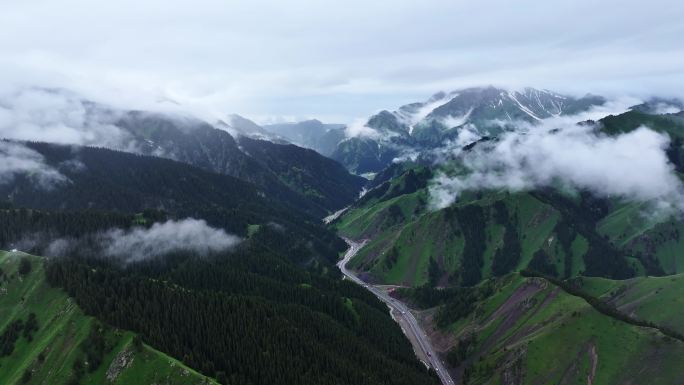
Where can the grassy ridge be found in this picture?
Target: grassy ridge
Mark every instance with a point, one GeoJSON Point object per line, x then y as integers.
{"type": "Point", "coordinates": [63, 333]}
{"type": "Point", "coordinates": [529, 331]}
{"type": "Point", "coordinates": [631, 228]}
{"type": "Point", "coordinates": [657, 299]}
{"type": "Point", "coordinates": [606, 307]}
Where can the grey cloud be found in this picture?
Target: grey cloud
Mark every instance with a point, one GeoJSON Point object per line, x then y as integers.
{"type": "Point", "coordinates": [37, 114]}
{"type": "Point", "coordinates": [162, 238]}
{"type": "Point", "coordinates": [359, 129]}
{"type": "Point", "coordinates": [141, 243]}
{"type": "Point", "coordinates": [338, 60]}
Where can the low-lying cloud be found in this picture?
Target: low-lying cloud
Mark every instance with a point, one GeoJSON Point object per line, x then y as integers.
{"type": "Point", "coordinates": [17, 159]}
{"type": "Point", "coordinates": [665, 108]}
{"type": "Point", "coordinates": [359, 129]}
{"type": "Point", "coordinates": [139, 243]}
{"type": "Point", "coordinates": [58, 116]}
{"type": "Point", "coordinates": [247, 55]}
{"type": "Point", "coordinates": [455, 121]}
{"type": "Point", "coordinates": [163, 238]}
{"type": "Point", "coordinates": [632, 165]}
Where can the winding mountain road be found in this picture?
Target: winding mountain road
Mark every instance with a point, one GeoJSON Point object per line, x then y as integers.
{"type": "Point", "coordinates": [414, 331]}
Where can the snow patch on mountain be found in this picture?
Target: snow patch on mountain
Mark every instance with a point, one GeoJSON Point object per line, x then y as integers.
{"type": "Point", "coordinates": [523, 108]}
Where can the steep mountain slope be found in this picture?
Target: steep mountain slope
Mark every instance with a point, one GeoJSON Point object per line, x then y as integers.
{"type": "Point", "coordinates": [472, 112]}
{"type": "Point", "coordinates": [68, 118]}
{"type": "Point", "coordinates": [365, 155]}
{"type": "Point", "coordinates": [200, 144]}
{"type": "Point", "coordinates": [321, 180]}
{"type": "Point", "coordinates": [128, 183]}
{"type": "Point", "coordinates": [241, 126]}
{"type": "Point", "coordinates": [65, 346]}
{"type": "Point", "coordinates": [311, 134]}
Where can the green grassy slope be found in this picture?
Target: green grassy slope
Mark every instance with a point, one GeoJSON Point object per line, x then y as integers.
{"type": "Point", "coordinates": [630, 227]}
{"type": "Point", "coordinates": [625, 223]}
{"type": "Point", "coordinates": [63, 335]}
{"type": "Point", "coordinates": [405, 235]}
{"type": "Point", "coordinates": [532, 332]}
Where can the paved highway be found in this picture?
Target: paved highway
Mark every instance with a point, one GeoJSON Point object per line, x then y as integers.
{"type": "Point", "coordinates": [402, 311]}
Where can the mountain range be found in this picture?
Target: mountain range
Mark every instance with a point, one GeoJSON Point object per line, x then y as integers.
{"type": "Point", "coordinates": [215, 146]}
{"type": "Point", "coordinates": [531, 237]}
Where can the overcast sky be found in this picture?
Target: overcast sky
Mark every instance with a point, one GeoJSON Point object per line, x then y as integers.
{"type": "Point", "coordinates": [336, 60]}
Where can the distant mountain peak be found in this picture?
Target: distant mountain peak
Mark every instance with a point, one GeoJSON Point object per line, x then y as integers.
{"type": "Point", "coordinates": [477, 105]}
{"type": "Point", "coordinates": [312, 121]}
{"type": "Point", "coordinates": [312, 133]}
{"type": "Point", "coordinates": [483, 111]}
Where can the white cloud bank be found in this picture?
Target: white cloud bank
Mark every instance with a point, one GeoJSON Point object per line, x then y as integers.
{"type": "Point", "coordinates": [631, 165]}
{"type": "Point", "coordinates": [35, 114]}
{"type": "Point", "coordinates": [359, 129]}
{"type": "Point", "coordinates": [336, 60]}
{"type": "Point", "coordinates": [139, 243]}
{"type": "Point", "coordinates": [163, 238]}
{"type": "Point", "coordinates": [16, 159]}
